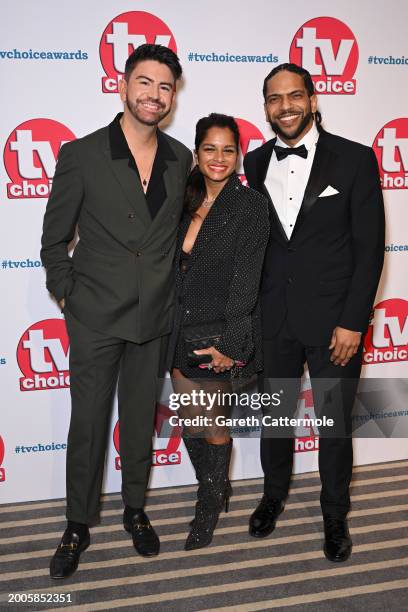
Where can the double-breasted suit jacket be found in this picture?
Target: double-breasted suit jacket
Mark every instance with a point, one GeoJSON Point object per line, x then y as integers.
{"type": "Point", "coordinates": [326, 274]}
{"type": "Point", "coordinates": [222, 280]}
{"type": "Point", "coordinates": [120, 278]}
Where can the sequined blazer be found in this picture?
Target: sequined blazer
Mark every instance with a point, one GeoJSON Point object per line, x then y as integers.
{"type": "Point", "coordinates": [222, 281]}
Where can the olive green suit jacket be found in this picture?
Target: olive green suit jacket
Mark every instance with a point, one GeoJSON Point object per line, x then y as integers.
{"type": "Point", "coordinates": [120, 278]}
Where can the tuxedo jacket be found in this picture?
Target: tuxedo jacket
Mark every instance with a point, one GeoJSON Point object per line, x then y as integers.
{"type": "Point", "coordinates": [223, 274]}
{"type": "Point", "coordinates": [327, 273]}
{"type": "Point", "coordinates": [120, 279]}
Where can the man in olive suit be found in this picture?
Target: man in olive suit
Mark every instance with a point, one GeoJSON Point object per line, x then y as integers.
{"type": "Point", "coordinates": [122, 186]}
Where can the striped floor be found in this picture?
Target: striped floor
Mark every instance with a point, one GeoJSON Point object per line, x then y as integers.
{"type": "Point", "coordinates": [286, 571]}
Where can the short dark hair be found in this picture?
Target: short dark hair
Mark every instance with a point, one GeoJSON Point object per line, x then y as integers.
{"type": "Point", "coordinates": [307, 80]}
{"type": "Point", "coordinates": [158, 53]}
{"type": "Point", "coordinates": [195, 187]}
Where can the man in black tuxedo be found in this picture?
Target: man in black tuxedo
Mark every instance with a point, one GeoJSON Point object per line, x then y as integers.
{"type": "Point", "coordinates": [321, 272]}
{"type": "Point", "coordinates": [123, 186]}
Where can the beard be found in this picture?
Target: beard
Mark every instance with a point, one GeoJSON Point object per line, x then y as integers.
{"type": "Point", "coordinates": [292, 135]}
{"type": "Point", "coordinates": [133, 108]}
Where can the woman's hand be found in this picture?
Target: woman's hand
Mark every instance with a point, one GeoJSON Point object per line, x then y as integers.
{"type": "Point", "coordinates": [219, 362]}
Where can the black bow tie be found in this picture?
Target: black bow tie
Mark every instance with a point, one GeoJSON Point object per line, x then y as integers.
{"type": "Point", "coordinates": [282, 152]}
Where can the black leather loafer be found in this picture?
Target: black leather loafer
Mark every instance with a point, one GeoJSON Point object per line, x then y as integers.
{"type": "Point", "coordinates": [263, 520]}
{"type": "Point", "coordinates": [66, 557]}
{"type": "Point", "coordinates": [145, 539]}
{"type": "Point", "coordinates": [337, 541]}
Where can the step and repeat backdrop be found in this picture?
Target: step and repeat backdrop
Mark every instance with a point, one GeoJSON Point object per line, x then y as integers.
{"type": "Point", "coordinates": [60, 67]}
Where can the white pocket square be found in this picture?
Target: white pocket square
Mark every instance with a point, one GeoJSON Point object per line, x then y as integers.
{"type": "Point", "coordinates": [329, 191]}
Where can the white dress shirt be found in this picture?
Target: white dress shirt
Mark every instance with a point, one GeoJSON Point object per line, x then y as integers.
{"type": "Point", "coordinates": [286, 180]}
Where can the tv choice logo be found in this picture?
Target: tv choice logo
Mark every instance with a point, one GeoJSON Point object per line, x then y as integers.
{"type": "Point", "coordinates": [122, 35]}
{"type": "Point", "coordinates": [165, 435]}
{"type": "Point", "coordinates": [2, 453]}
{"type": "Point", "coordinates": [40, 448]}
{"type": "Point", "coordinates": [391, 148]}
{"type": "Point", "coordinates": [30, 156]}
{"type": "Point", "coordinates": [43, 356]}
{"type": "Point", "coordinates": [390, 248]}
{"type": "Point", "coordinates": [386, 340]}
{"type": "Point", "coordinates": [306, 439]}
{"type": "Point", "coordinates": [250, 138]}
{"type": "Point", "coordinates": [328, 49]}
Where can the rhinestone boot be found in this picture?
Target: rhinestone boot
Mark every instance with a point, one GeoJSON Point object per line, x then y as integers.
{"type": "Point", "coordinates": [213, 491]}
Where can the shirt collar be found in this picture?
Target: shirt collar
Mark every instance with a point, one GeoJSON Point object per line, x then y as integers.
{"type": "Point", "coordinates": [120, 149]}
{"type": "Point", "coordinates": [309, 139]}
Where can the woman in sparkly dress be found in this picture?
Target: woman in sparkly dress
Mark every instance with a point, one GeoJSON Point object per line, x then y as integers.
{"type": "Point", "coordinates": [222, 240]}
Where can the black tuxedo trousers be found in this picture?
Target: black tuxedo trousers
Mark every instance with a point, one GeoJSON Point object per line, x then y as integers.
{"type": "Point", "coordinates": [284, 359]}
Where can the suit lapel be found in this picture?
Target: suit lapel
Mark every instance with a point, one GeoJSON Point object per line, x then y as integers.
{"type": "Point", "coordinates": [317, 182]}
{"type": "Point", "coordinates": [221, 213]}
{"type": "Point", "coordinates": [262, 165]}
{"type": "Point", "coordinates": [262, 170]}
{"type": "Point", "coordinates": [172, 182]}
{"type": "Point", "coordinates": [129, 183]}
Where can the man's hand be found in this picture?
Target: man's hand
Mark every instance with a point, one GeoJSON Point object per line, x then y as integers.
{"type": "Point", "coordinates": [219, 362]}
{"type": "Point", "coordinates": [62, 304]}
{"type": "Point", "coordinates": [344, 343]}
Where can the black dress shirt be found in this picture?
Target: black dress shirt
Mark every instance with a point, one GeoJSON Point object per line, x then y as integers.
{"type": "Point", "coordinates": [156, 190]}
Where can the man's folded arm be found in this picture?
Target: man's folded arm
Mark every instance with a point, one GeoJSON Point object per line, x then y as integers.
{"type": "Point", "coordinates": [60, 221]}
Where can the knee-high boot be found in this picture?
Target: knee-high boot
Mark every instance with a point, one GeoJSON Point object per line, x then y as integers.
{"type": "Point", "coordinates": [195, 448]}
{"type": "Point", "coordinates": [213, 492]}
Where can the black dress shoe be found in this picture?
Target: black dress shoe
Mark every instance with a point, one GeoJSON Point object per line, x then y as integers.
{"type": "Point", "coordinates": [145, 539]}
{"type": "Point", "coordinates": [66, 557]}
{"type": "Point", "coordinates": [263, 520]}
{"type": "Point", "coordinates": [337, 541]}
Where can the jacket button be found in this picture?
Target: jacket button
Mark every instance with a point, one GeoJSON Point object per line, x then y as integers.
{"type": "Point", "coordinates": [132, 216]}
{"type": "Point", "coordinates": [138, 253]}
{"type": "Point", "coordinates": [290, 280]}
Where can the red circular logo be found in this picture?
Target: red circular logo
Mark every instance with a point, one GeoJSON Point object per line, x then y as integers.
{"type": "Point", "coordinates": [171, 435]}
{"type": "Point", "coordinates": [328, 49]}
{"type": "Point", "coordinates": [122, 35]}
{"type": "Point", "coordinates": [250, 138]}
{"type": "Point", "coordinates": [391, 148]}
{"type": "Point", "coordinates": [43, 356]}
{"type": "Point", "coordinates": [387, 336]}
{"type": "Point", "coordinates": [306, 439]}
{"type": "Point", "coordinates": [2, 450]}
{"type": "Point", "coordinates": [30, 155]}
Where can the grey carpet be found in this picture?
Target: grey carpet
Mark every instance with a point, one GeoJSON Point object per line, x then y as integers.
{"type": "Point", "coordinates": [286, 571]}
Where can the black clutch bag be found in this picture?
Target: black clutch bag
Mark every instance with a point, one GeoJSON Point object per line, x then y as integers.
{"type": "Point", "coordinates": [201, 336]}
